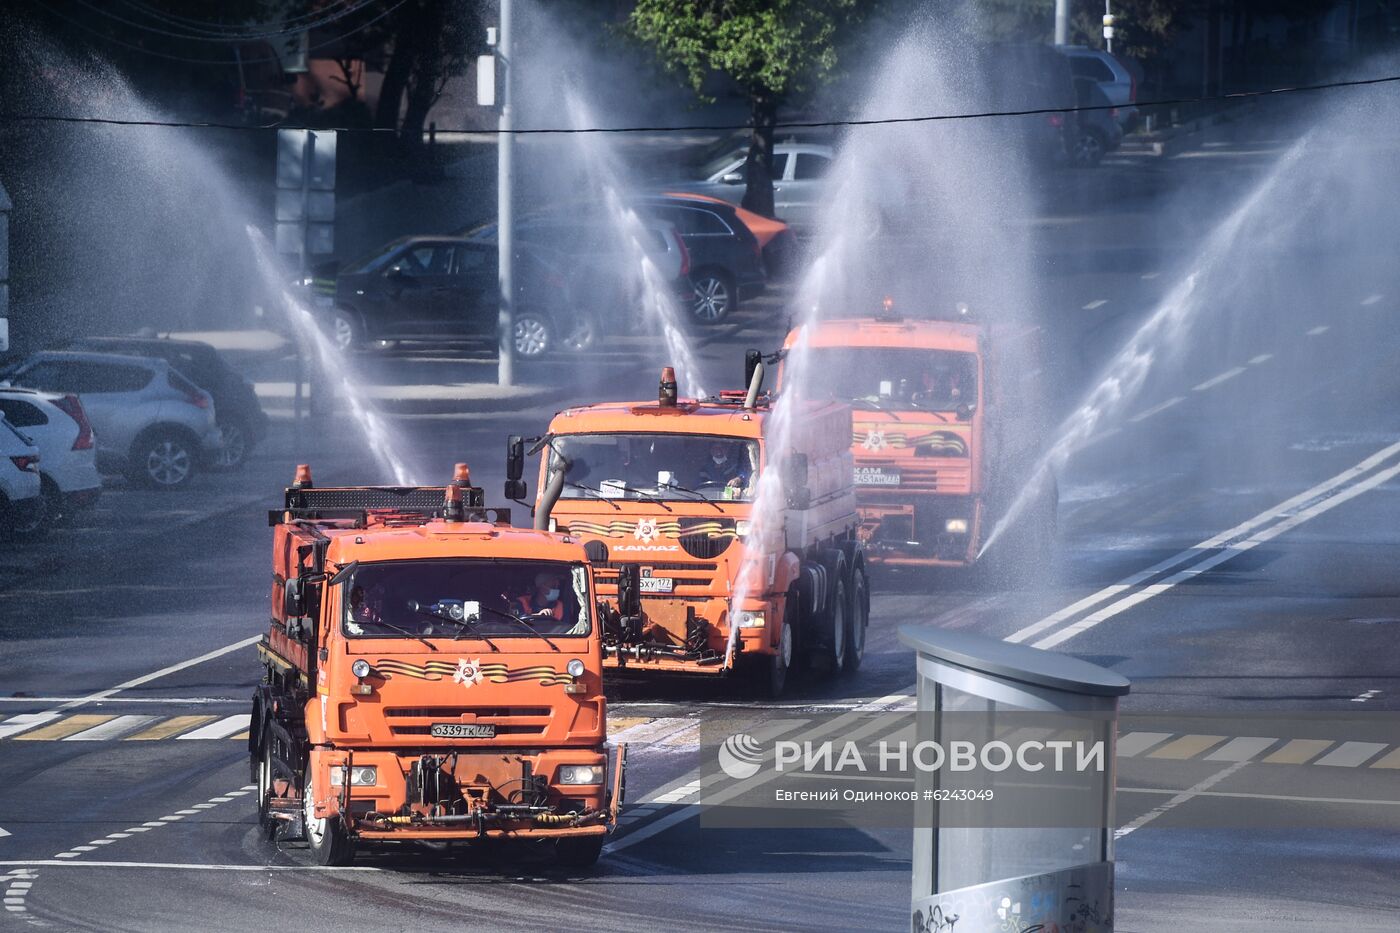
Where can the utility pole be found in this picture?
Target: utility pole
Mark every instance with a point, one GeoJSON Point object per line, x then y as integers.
{"type": "Point", "coordinates": [505, 212]}
{"type": "Point", "coordinates": [1107, 27]}
{"type": "Point", "coordinates": [1062, 22]}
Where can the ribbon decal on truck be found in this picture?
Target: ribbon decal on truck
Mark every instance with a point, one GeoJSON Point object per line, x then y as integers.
{"type": "Point", "coordinates": [939, 443]}
{"type": "Point", "coordinates": [469, 673]}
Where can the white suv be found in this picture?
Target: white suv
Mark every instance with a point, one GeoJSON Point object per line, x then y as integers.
{"type": "Point", "coordinates": [58, 426]}
{"type": "Point", "coordinates": [152, 423]}
{"type": "Point", "coordinates": [21, 506]}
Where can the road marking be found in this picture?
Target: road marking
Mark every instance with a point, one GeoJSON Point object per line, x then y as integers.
{"type": "Point", "coordinates": [24, 721]}
{"type": "Point", "coordinates": [1149, 276]}
{"type": "Point", "coordinates": [1298, 751]}
{"type": "Point", "coordinates": [1188, 746]}
{"type": "Point", "coordinates": [677, 795]}
{"type": "Point", "coordinates": [1261, 358]}
{"type": "Point", "coordinates": [1389, 761]}
{"type": "Point", "coordinates": [110, 730]}
{"type": "Point", "coordinates": [1135, 742]}
{"type": "Point", "coordinates": [1157, 409]}
{"type": "Point", "coordinates": [181, 866]}
{"type": "Point", "coordinates": [1244, 795]}
{"type": "Point", "coordinates": [1194, 791]}
{"type": "Point", "coordinates": [1351, 754]}
{"type": "Point", "coordinates": [1216, 380]}
{"type": "Point", "coordinates": [167, 701]}
{"type": "Point", "coordinates": [1370, 300]}
{"type": "Point", "coordinates": [1243, 748]}
{"type": "Point", "coordinates": [1318, 330]}
{"type": "Point", "coordinates": [1365, 696]}
{"type": "Point", "coordinates": [64, 727]}
{"type": "Point", "coordinates": [1325, 488]}
{"type": "Point", "coordinates": [221, 729]}
{"type": "Point", "coordinates": [1096, 303]}
{"type": "Point", "coordinates": [168, 728]}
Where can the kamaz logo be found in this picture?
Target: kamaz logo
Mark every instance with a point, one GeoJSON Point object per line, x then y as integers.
{"type": "Point", "coordinates": [647, 547]}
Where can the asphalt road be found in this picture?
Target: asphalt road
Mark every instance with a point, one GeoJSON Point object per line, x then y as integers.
{"type": "Point", "coordinates": [1228, 542]}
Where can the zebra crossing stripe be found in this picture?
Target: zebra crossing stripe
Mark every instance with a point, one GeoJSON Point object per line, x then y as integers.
{"type": "Point", "coordinates": [1135, 742]}
{"type": "Point", "coordinates": [111, 729]}
{"type": "Point", "coordinates": [23, 721]}
{"type": "Point", "coordinates": [171, 726]}
{"type": "Point", "coordinates": [63, 728]}
{"type": "Point", "coordinates": [222, 729]}
{"type": "Point", "coordinates": [1243, 748]}
{"type": "Point", "coordinates": [1351, 754]}
{"type": "Point", "coordinates": [1188, 746]}
{"type": "Point", "coordinates": [1298, 751]}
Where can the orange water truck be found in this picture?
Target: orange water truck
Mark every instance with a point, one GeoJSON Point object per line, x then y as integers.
{"type": "Point", "coordinates": [410, 692]}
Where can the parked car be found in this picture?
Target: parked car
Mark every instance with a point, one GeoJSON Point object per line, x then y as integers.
{"type": "Point", "coordinates": [726, 259]}
{"type": "Point", "coordinates": [242, 422]}
{"type": "Point", "coordinates": [21, 499]}
{"type": "Point", "coordinates": [776, 240]}
{"type": "Point", "coordinates": [59, 427]}
{"type": "Point", "coordinates": [603, 275]}
{"type": "Point", "coordinates": [1032, 76]}
{"type": "Point", "coordinates": [1097, 132]}
{"type": "Point", "coordinates": [446, 287]}
{"type": "Point", "coordinates": [799, 177]}
{"type": "Point", "coordinates": [151, 423]}
{"type": "Point", "coordinates": [1113, 76]}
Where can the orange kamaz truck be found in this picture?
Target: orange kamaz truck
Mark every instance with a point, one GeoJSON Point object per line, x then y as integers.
{"type": "Point", "coordinates": [938, 444]}
{"type": "Point", "coordinates": [704, 576]}
{"type": "Point", "coordinates": [418, 685]}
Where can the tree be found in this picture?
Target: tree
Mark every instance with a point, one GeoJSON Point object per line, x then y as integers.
{"type": "Point", "coordinates": [774, 50]}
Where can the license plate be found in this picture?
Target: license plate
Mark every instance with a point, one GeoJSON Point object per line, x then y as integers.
{"type": "Point", "coordinates": [876, 476]}
{"type": "Point", "coordinates": [658, 584]}
{"type": "Point", "coordinates": [459, 730]}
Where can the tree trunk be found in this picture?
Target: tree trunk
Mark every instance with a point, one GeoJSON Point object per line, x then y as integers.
{"type": "Point", "coordinates": [758, 169]}
{"type": "Point", "coordinates": [386, 111]}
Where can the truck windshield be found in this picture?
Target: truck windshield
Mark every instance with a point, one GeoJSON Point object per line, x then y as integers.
{"type": "Point", "coordinates": [657, 466]}
{"type": "Point", "coordinates": [467, 599]}
{"type": "Point", "coordinates": [897, 377]}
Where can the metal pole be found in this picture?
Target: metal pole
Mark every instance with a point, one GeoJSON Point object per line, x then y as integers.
{"type": "Point", "coordinates": [505, 214]}
{"type": "Point", "coordinates": [1061, 22]}
{"type": "Point", "coordinates": [1108, 18]}
{"type": "Point", "coordinates": [308, 159]}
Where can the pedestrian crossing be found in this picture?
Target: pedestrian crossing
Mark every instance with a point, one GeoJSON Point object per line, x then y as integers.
{"type": "Point", "coordinates": [680, 734]}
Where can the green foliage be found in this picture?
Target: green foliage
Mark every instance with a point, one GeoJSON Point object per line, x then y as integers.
{"type": "Point", "coordinates": [1145, 28]}
{"type": "Point", "coordinates": [771, 48]}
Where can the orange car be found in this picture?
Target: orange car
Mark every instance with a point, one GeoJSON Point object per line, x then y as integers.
{"type": "Point", "coordinates": [931, 445]}
{"type": "Point", "coordinates": [431, 673]}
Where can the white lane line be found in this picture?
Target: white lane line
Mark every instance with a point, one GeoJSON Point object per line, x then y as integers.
{"type": "Point", "coordinates": [1096, 303]}
{"type": "Point", "coordinates": [168, 701]}
{"type": "Point", "coordinates": [1365, 696]}
{"type": "Point", "coordinates": [137, 829]}
{"type": "Point", "coordinates": [1220, 557]}
{"type": "Point", "coordinates": [1157, 409]}
{"type": "Point", "coordinates": [647, 733]}
{"type": "Point", "coordinates": [1319, 330]}
{"type": "Point", "coordinates": [1149, 276]}
{"type": "Point", "coordinates": [163, 672]}
{"type": "Point", "coordinates": [677, 795]}
{"type": "Point", "coordinates": [1178, 800]}
{"type": "Point", "coordinates": [219, 729]}
{"type": "Point", "coordinates": [4, 833]}
{"type": "Point", "coordinates": [1176, 560]}
{"type": "Point", "coordinates": [1261, 358]}
{"type": "Point", "coordinates": [1216, 380]}
{"type": "Point", "coordinates": [1351, 754]}
{"type": "Point", "coordinates": [1370, 300]}
{"type": "Point", "coordinates": [204, 806]}
{"type": "Point", "coordinates": [1243, 795]}
{"type": "Point", "coordinates": [112, 729]}
{"type": "Point", "coordinates": [1244, 748]}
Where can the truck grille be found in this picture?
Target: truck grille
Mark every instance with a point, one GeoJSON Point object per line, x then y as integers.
{"type": "Point", "coordinates": [508, 720]}
{"type": "Point", "coordinates": [922, 474]}
{"type": "Point", "coordinates": [689, 579]}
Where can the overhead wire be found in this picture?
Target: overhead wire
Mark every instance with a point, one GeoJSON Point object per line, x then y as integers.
{"type": "Point", "coordinates": [29, 117]}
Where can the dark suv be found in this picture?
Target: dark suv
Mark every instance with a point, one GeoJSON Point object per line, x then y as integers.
{"type": "Point", "coordinates": [444, 287]}
{"type": "Point", "coordinates": [726, 259]}
{"type": "Point", "coordinates": [236, 408]}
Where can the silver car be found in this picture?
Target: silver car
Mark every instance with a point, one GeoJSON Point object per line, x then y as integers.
{"type": "Point", "coordinates": [799, 174]}
{"type": "Point", "coordinates": [151, 422]}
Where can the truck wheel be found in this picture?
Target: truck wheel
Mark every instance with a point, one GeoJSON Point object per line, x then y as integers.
{"type": "Point", "coordinates": [857, 619]}
{"type": "Point", "coordinates": [326, 837]}
{"type": "Point", "coordinates": [833, 654]}
{"type": "Point", "coordinates": [780, 662]}
{"type": "Point", "coordinates": [579, 851]}
{"type": "Point", "coordinates": [263, 766]}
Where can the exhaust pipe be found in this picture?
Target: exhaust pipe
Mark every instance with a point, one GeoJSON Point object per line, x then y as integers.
{"type": "Point", "coordinates": [755, 386]}
{"type": "Point", "coordinates": [553, 489]}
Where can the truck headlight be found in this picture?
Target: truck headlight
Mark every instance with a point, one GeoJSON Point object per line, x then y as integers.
{"type": "Point", "coordinates": [360, 776]}
{"type": "Point", "coordinates": [580, 774]}
{"type": "Point", "coordinates": [575, 668]}
{"type": "Point", "coordinates": [361, 669]}
{"type": "Point", "coordinates": [955, 526]}
{"type": "Point", "coordinates": [754, 619]}
{"type": "Point", "coordinates": [742, 528]}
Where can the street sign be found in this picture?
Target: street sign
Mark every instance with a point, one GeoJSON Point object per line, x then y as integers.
{"type": "Point", "coordinates": [486, 80]}
{"type": "Point", "coordinates": [305, 200]}
{"type": "Point", "coordinates": [291, 159]}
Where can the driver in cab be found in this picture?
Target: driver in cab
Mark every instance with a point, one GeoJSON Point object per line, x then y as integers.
{"type": "Point", "coordinates": [544, 599]}
{"type": "Point", "coordinates": [723, 468]}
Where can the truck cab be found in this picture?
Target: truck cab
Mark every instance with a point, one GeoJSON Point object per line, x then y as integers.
{"type": "Point", "coordinates": [934, 453]}
{"type": "Point", "coordinates": [730, 544]}
{"type": "Point", "coordinates": [417, 683]}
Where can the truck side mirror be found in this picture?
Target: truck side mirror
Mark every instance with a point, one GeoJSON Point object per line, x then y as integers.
{"type": "Point", "coordinates": [799, 495]}
{"type": "Point", "coordinates": [597, 551]}
{"type": "Point", "coordinates": [515, 459]}
{"type": "Point", "coordinates": [751, 360]}
{"type": "Point", "coordinates": [629, 590]}
{"type": "Point", "coordinates": [516, 489]}
{"type": "Point", "coordinates": [294, 598]}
